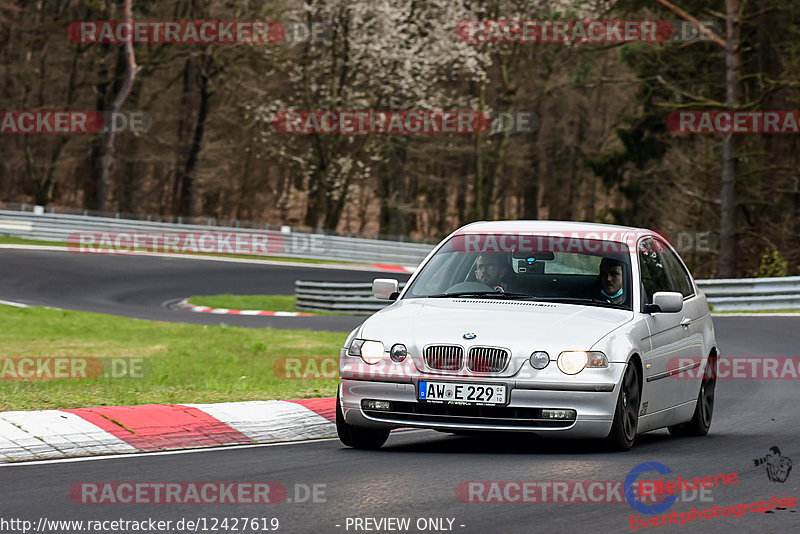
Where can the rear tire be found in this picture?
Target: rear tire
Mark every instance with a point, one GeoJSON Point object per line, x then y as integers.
{"type": "Point", "coordinates": [626, 416]}
{"type": "Point", "coordinates": [704, 410]}
{"type": "Point", "coordinates": [358, 437]}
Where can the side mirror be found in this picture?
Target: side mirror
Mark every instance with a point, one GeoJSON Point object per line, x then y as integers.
{"type": "Point", "coordinates": [385, 288]}
{"type": "Point", "coordinates": [665, 302]}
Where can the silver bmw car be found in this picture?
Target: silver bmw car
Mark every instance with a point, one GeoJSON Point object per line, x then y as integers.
{"type": "Point", "coordinates": [555, 328]}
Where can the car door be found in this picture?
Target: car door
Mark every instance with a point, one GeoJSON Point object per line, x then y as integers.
{"type": "Point", "coordinates": [668, 339]}
{"type": "Point", "coordinates": [692, 315]}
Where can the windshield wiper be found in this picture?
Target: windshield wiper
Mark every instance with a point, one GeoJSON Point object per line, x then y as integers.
{"type": "Point", "coordinates": [575, 300]}
{"type": "Point", "coordinates": [497, 294]}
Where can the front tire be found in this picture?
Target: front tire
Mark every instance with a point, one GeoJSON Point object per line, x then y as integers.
{"type": "Point", "coordinates": [358, 437]}
{"type": "Point", "coordinates": [704, 410]}
{"type": "Point", "coordinates": [626, 416]}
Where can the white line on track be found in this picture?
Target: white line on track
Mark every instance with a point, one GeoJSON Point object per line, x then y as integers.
{"type": "Point", "coordinates": [15, 304]}
{"type": "Point", "coordinates": [182, 451]}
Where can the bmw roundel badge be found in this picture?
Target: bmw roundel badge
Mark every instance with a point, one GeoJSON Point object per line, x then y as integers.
{"type": "Point", "coordinates": [470, 335]}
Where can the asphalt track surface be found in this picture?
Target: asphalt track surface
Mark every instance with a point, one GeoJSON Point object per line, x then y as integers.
{"type": "Point", "coordinates": [416, 474]}
{"type": "Point", "coordinates": [142, 287]}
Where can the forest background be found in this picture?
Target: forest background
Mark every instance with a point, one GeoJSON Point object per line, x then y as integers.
{"type": "Point", "coordinates": [601, 151]}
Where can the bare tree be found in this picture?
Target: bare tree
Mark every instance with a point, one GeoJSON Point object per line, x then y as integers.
{"type": "Point", "coordinates": [727, 222]}
{"type": "Point", "coordinates": [105, 154]}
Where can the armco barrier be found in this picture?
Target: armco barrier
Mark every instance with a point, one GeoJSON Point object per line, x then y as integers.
{"type": "Point", "coordinates": [744, 294]}
{"type": "Point", "coordinates": [346, 297]}
{"type": "Point", "coordinates": [724, 295]}
{"type": "Point", "coordinates": [58, 227]}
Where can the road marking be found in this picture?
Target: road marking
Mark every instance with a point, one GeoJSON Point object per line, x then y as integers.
{"type": "Point", "coordinates": [187, 451]}
{"type": "Point", "coordinates": [15, 304]}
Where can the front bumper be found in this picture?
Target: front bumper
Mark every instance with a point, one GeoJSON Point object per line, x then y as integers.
{"type": "Point", "coordinates": [594, 408]}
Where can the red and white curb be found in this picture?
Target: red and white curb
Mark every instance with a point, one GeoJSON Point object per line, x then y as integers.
{"type": "Point", "coordinates": [184, 304]}
{"type": "Point", "coordinates": [36, 435]}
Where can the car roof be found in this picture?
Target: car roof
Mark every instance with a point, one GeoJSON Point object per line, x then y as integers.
{"type": "Point", "coordinates": [563, 227]}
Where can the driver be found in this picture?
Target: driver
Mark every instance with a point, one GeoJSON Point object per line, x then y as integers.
{"type": "Point", "coordinates": [611, 281]}
{"type": "Point", "coordinates": [490, 271]}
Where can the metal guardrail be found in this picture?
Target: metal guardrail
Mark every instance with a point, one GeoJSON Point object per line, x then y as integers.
{"type": "Point", "coordinates": [744, 294]}
{"type": "Point", "coordinates": [724, 295]}
{"type": "Point", "coordinates": [58, 227]}
{"type": "Point", "coordinates": [346, 297]}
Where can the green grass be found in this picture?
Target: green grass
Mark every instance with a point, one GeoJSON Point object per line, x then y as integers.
{"type": "Point", "coordinates": [8, 240]}
{"type": "Point", "coordinates": [247, 302]}
{"type": "Point", "coordinates": [189, 363]}
{"type": "Point", "coordinates": [254, 302]}
{"type": "Point", "coordinates": [792, 310]}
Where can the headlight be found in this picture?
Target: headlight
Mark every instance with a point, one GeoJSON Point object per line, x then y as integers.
{"type": "Point", "coordinates": [369, 351]}
{"type": "Point", "coordinates": [372, 352]}
{"type": "Point", "coordinates": [539, 359]}
{"type": "Point", "coordinates": [398, 352]}
{"type": "Point", "coordinates": [572, 362]}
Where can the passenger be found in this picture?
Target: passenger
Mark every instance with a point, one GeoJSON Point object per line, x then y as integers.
{"type": "Point", "coordinates": [490, 270]}
{"type": "Point", "coordinates": [611, 278]}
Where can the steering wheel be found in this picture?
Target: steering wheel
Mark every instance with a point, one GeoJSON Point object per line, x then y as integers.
{"type": "Point", "coordinates": [469, 286]}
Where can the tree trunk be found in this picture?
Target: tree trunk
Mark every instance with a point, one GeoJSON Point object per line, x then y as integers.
{"type": "Point", "coordinates": [186, 204]}
{"type": "Point", "coordinates": [392, 189]}
{"type": "Point", "coordinates": [106, 148]}
{"type": "Point", "coordinates": [727, 224]}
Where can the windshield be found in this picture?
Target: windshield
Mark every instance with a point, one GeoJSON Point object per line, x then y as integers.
{"type": "Point", "coordinates": [529, 267]}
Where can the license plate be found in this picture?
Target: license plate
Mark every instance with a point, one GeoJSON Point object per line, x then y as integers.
{"type": "Point", "coordinates": [462, 393]}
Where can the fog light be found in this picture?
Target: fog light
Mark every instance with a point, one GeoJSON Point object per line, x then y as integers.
{"type": "Point", "coordinates": [398, 352]}
{"type": "Point", "coordinates": [375, 405]}
{"type": "Point", "coordinates": [539, 359]}
{"type": "Point", "coordinates": [558, 414]}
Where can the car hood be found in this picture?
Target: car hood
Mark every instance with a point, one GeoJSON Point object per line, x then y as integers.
{"type": "Point", "coordinates": [517, 325]}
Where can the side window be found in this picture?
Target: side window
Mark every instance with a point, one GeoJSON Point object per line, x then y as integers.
{"type": "Point", "coordinates": [677, 273]}
{"type": "Point", "coordinates": [654, 274]}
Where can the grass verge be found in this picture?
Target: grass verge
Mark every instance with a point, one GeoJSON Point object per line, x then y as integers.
{"type": "Point", "coordinates": [254, 302]}
{"type": "Point", "coordinates": [188, 363]}
{"type": "Point", "coordinates": [792, 310]}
